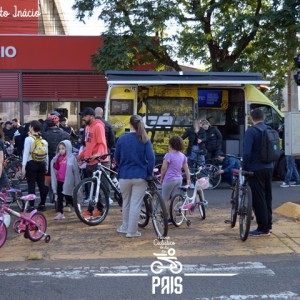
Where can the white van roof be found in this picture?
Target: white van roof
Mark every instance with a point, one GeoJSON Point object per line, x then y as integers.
{"type": "Point", "coordinates": [162, 78]}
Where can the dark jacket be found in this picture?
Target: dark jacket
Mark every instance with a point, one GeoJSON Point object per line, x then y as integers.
{"type": "Point", "coordinates": [192, 135]}
{"type": "Point", "coordinates": [213, 139]}
{"type": "Point", "coordinates": [109, 133]}
{"type": "Point", "coordinates": [54, 136]}
{"type": "Point", "coordinates": [252, 149]}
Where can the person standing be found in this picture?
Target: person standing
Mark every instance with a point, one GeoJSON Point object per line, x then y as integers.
{"type": "Point", "coordinates": [35, 169]}
{"type": "Point", "coordinates": [261, 182]}
{"type": "Point", "coordinates": [95, 145]}
{"type": "Point", "coordinates": [65, 126]}
{"type": "Point", "coordinates": [171, 170]}
{"type": "Point", "coordinates": [291, 167]}
{"type": "Point", "coordinates": [213, 140]}
{"type": "Point", "coordinates": [197, 138]}
{"type": "Point", "coordinates": [3, 175]}
{"type": "Point", "coordinates": [109, 133]}
{"type": "Point", "coordinates": [135, 158]}
{"type": "Point", "coordinates": [65, 176]}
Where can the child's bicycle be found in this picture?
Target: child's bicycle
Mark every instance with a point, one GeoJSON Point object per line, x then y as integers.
{"type": "Point", "coordinates": [32, 224]}
{"type": "Point", "coordinates": [181, 203]}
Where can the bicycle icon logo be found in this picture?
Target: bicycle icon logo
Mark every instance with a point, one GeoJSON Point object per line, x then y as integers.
{"type": "Point", "coordinates": [173, 264]}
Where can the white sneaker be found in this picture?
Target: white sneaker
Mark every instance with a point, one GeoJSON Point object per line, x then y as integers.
{"type": "Point", "coordinates": [121, 230]}
{"type": "Point", "coordinates": [284, 185]}
{"type": "Point", "coordinates": [132, 235]}
{"type": "Point", "coordinates": [111, 201]}
{"type": "Point", "coordinates": [59, 216]}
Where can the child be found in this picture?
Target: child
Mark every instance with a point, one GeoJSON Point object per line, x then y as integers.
{"type": "Point", "coordinates": [171, 170]}
{"type": "Point", "coordinates": [65, 176]}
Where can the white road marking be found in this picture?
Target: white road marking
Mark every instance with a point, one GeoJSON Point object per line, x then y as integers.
{"type": "Point", "coordinates": [283, 295]}
{"type": "Point", "coordinates": [231, 269]}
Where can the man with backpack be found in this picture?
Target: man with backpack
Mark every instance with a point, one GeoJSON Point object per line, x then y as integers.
{"type": "Point", "coordinates": [261, 182]}
{"type": "Point", "coordinates": [35, 163]}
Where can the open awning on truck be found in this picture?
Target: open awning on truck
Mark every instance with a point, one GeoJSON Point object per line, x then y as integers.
{"type": "Point", "coordinates": [161, 78]}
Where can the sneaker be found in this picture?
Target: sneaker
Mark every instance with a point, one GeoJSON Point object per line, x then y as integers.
{"type": "Point", "coordinates": [97, 213]}
{"type": "Point", "coordinates": [59, 216]}
{"type": "Point", "coordinates": [121, 229]}
{"type": "Point", "coordinates": [86, 214]}
{"type": "Point", "coordinates": [41, 207]}
{"type": "Point", "coordinates": [30, 209]}
{"type": "Point", "coordinates": [170, 221]}
{"type": "Point", "coordinates": [284, 185]}
{"type": "Point", "coordinates": [296, 184]}
{"type": "Point", "coordinates": [259, 233]}
{"type": "Point", "coordinates": [111, 201]}
{"type": "Point", "coordinates": [132, 235]}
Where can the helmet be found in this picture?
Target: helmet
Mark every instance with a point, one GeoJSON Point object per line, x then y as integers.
{"type": "Point", "coordinates": [52, 120]}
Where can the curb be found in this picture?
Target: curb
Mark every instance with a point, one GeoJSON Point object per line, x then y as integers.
{"type": "Point", "coordinates": [289, 209]}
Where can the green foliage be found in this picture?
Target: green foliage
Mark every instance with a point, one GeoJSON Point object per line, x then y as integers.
{"type": "Point", "coordinates": [224, 35]}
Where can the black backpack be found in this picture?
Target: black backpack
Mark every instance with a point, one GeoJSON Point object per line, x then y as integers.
{"type": "Point", "coordinates": [270, 145]}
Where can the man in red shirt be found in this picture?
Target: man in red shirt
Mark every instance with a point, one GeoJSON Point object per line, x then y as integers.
{"type": "Point", "coordinates": [95, 145]}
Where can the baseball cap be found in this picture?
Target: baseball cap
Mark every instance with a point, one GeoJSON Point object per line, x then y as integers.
{"type": "Point", "coordinates": [87, 111]}
{"type": "Point", "coordinates": [55, 113]}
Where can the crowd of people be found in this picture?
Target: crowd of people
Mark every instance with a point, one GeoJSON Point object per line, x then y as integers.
{"type": "Point", "coordinates": [46, 150]}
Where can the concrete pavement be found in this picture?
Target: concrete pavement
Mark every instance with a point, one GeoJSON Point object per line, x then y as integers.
{"type": "Point", "coordinates": [73, 240]}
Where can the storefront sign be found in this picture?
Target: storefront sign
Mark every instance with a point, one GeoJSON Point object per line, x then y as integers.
{"type": "Point", "coordinates": [36, 52]}
{"type": "Point", "coordinates": [8, 52]}
{"type": "Point", "coordinates": [19, 16]}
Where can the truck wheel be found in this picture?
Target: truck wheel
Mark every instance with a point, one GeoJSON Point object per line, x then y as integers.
{"type": "Point", "coordinates": [281, 169]}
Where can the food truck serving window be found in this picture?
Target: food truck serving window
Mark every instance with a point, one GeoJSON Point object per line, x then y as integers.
{"type": "Point", "coordinates": [169, 111]}
{"type": "Point", "coordinates": [121, 107]}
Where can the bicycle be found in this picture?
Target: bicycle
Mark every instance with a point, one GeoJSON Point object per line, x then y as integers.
{"type": "Point", "coordinates": [181, 203]}
{"type": "Point", "coordinates": [241, 201]}
{"type": "Point", "coordinates": [208, 170]}
{"type": "Point", "coordinates": [11, 196]}
{"type": "Point", "coordinates": [91, 190]}
{"type": "Point", "coordinates": [154, 207]}
{"type": "Point", "coordinates": [33, 225]}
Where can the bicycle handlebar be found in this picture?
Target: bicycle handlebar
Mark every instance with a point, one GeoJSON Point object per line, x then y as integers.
{"type": "Point", "coordinates": [99, 158]}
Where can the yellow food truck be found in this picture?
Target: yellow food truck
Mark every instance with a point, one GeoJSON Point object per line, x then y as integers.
{"type": "Point", "coordinates": [170, 101]}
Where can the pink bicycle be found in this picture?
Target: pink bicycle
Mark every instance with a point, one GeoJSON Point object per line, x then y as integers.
{"type": "Point", "coordinates": [33, 224]}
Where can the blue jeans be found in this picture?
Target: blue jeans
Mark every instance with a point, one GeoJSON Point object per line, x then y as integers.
{"type": "Point", "coordinates": [200, 158]}
{"type": "Point", "coordinates": [292, 171]}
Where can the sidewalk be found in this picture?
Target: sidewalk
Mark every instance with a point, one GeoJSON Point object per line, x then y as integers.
{"type": "Point", "coordinates": [73, 240]}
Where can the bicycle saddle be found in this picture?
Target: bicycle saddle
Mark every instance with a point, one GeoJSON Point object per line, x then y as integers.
{"type": "Point", "coordinates": [29, 197]}
{"type": "Point", "coordinates": [150, 178]}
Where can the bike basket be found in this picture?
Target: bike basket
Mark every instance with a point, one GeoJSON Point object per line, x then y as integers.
{"type": "Point", "coordinates": [202, 183]}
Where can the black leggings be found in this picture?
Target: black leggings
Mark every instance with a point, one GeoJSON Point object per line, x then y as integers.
{"type": "Point", "coordinates": [60, 198]}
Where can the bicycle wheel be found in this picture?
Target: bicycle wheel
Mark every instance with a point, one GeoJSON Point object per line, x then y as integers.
{"type": "Point", "coordinates": [177, 214]}
{"type": "Point", "coordinates": [234, 204]}
{"type": "Point", "coordinates": [245, 212]}
{"type": "Point", "coordinates": [201, 207]}
{"type": "Point", "coordinates": [3, 233]}
{"type": "Point", "coordinates": [145, 212]}
{"type": "Point", "coordinates": [210, 171]}
{"type": "Point", "coordinates": [159, 215]}
{"type": "Point", "coordinates": [85, 201]}
{"type": "Point", "coordinates": [36, 232]}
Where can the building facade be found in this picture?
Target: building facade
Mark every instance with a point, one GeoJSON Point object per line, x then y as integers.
{"type": "Point", "coordinates": [42, 68]}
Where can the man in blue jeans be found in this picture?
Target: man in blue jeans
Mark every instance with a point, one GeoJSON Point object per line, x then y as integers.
{"type": "Point", "coordinates": [291, 172]}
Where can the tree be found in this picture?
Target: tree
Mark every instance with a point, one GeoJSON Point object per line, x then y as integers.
{"type": "Point", "coordinates": [224, 35]}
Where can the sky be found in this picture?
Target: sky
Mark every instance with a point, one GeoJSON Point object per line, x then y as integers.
{"type": "Point", "coordinates": [92, 27]}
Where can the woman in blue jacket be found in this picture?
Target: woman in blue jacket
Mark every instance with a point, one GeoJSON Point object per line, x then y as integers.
{"type": "Point", "coordinates": [135, 158]}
